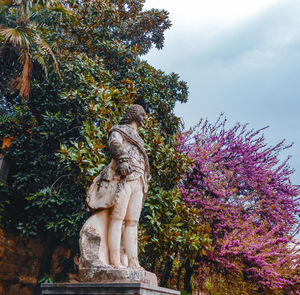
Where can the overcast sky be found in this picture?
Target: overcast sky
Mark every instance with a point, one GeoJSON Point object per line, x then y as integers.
{"type": "Point", "coordinates": [240, 57]}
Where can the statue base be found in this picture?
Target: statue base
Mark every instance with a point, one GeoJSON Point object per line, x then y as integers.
{"type": "Point", "coordinates": [105, 289]}
{"type": "Point", "coordinates": [116, 275]}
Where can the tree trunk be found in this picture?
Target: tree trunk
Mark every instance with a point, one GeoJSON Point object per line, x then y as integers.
{"type": "Point", "coordinates": [166, 275]}
{"type": "Point", "coordinates": [178, 277]}
{"type": "Point", "coordinates": [187, 277]}
{"type": "Point", "coordinates": [46, 259]}
{"type": "Point", "coordinates": [153, 265]}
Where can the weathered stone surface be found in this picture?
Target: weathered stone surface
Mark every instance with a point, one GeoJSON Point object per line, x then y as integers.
{"type": "Point", "coordinates": [19, 264]}
{"type": "Point", "coordinates": [25, 291]}
{"type": "Point", "coordinates": [2, 289]}
{"type": "Point", "coordinates": [125, 275]}
{"type": "Point", "coordinates": [109, 236]}
{"type": "Point", "coordinates": [107, 289]}
{"type": "Point", "coordinates": [15, 290]}
{"type": "Point", "coordinates": [27, 280]}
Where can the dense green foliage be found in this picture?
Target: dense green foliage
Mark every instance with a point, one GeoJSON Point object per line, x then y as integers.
{"type": "Point", "coordinates": [60, 129]}
{"type": "Point", "coordinates": [68, 71]}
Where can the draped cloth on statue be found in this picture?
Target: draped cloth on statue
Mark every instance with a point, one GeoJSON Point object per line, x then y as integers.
{"type": "Point", "coordinates": [105, 189]}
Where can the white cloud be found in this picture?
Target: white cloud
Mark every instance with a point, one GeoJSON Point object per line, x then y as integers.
{"type": "Point", "coordinates": [247, 66]}
{"type": "Point", "coordinates": [191, 14]}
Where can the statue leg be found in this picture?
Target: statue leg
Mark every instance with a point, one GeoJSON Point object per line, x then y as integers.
{"type": "Point", "coordinates": [114, 241]}
{"type": "Point", "coordinates": [130, 235]}
{"type": "Point", "coordinates": [116, 217]}
{"type": "Point", "coordinates": [130, 243]}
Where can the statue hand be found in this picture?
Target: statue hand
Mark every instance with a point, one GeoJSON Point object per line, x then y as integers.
{"type": "Point", "coordinates": [124, 169]}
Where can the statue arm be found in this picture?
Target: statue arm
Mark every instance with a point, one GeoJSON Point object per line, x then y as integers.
{"type": "Point", "coordinates": [116, 149]}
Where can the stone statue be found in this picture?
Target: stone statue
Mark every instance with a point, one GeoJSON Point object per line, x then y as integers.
{"type": "Point", "coordinates": [108, 239]}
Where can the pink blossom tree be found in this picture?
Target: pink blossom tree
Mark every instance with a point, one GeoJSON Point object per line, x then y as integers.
{"type": "Point", "coordinates": [245, 196]}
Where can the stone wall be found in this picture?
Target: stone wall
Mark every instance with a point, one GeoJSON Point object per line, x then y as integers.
{"type": "Point", "coordinates": [19, 264]}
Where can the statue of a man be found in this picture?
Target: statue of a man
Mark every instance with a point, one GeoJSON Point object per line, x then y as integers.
{"type": "Point", "coordinates": [109, 236]}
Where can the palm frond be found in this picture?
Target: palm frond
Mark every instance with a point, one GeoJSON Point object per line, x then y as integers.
{"type": "Point", "coordinates": [42, 2]}
{"type": "Point", "coordinates": [22, 28]}
{"type": "Point", "coordinates": [4, 6]}
{"type": "Point", "coordinates": [5, 3]}
{"type": "Point", "coordinates": [45, 46]}
{"type": "Point", "coordinates": [16, 36]}
{"type": "Point", "coordinates": [63, 10]}
{"type": "Point", "coordinates": [37, 56]}
{"type": "Point", "coordinates": [23, 83]}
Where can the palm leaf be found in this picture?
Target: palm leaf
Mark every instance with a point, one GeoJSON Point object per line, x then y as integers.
{"type": "Point", "coordinates": [37, 56]}
{"type": "Point", "coordinates": [23, 83]}
{"type": "Point", "coordinates": [4, 6]}
{"type": "Point", "coordinates": [45, 46]}
{"type": "Point", "coordinates": [5, 3]}
{"type": "Point", "coordinates": [16, 36]}
{"type": "Point", "coordinates": [63, 10]}
{"type": "Point", "coordinates": [27, 16]}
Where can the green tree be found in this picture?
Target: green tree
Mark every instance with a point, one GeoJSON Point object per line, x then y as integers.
{"type": "Point", "coordinates": [22, 37]}
{"type": "Point", "coordinates": [60, 130]}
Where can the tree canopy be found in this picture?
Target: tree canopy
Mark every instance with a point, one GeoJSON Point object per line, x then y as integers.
{"type": "Point", "coordinates": [245, 197]}
{"type": "Point", "coordinates": [59, 128]}
{"type": "Point", "coordinates": [220, 212]}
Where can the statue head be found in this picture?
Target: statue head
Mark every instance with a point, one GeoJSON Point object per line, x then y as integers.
{"type": "Point", "coordinates": [135, 113]}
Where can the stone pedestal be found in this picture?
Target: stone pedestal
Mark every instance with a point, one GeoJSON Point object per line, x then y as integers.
{"type": "Point", "coordinates": [105, 288]}
{"type": "Point", "coordinates": [112, 275]}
